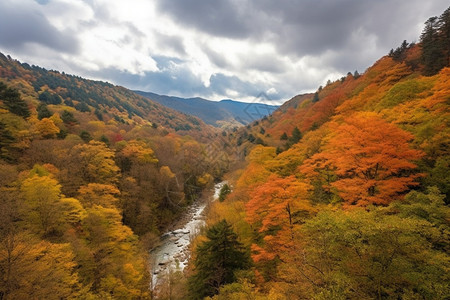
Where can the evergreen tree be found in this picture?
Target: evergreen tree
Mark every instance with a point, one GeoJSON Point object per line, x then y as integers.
{"type": "Point", "coordinates": [6, 139]}
{"type": "Point", "coordinates": [12, 100]}
{"type": "Point", "coordinates": [85, 136]}
{"type": "Point", "coordinates": [284, 136]}
{"type": "Point", "coordinates": [296, 136]}
{"type": "Point", "coordinates": [316, 97]}
{"type": "Point", "coordinates": [432, 47]}
{"type": "Point", "coordinates": [43, 111]}
{"type": "Point", "coordinates": [216, 261]}
{"type": "Point", "coordinates": [68, 117]}
{"type": "Point", "coordinates": [444, 33]}
{"type": "Point", "coordinates": [224, 191]}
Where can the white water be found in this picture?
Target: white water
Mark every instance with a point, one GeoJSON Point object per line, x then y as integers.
{"type": "Point", "coordinates": [173, 251]}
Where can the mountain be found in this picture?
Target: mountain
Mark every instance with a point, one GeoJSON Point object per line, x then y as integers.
{"type": "Point", "coordinates": [224, 113]}
{"type": "Point", "coordinates": [90, 175]}
{"type": "Point", "coordinates": [345, 192]}
{"type": "Point", "coordinates": [101, 99]}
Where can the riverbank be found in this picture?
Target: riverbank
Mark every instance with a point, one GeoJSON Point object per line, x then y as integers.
{"type": "Point", "coordinates": [173, 252]}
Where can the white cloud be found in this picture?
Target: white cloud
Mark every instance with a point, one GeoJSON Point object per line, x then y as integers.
{"type": "Point", "coordinates": [219, 49]}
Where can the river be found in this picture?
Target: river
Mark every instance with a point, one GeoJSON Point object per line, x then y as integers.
{"type": "Point", "coordinates": [172, 253]}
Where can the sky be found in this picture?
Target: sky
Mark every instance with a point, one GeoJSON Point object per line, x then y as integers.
{"type": "Point", "coordinates": [222, 49]}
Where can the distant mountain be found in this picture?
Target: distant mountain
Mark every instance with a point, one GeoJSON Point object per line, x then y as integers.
{"type": "Point", "coordinates": [223, 113]}
{"type": "Point", "coordinates": [102, 100]}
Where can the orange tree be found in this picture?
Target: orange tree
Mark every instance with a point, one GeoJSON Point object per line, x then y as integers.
{"type": "Point", "coordinates": [371, 158]}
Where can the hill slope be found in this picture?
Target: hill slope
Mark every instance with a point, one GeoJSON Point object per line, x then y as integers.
{"type": "Point", "coordinates": [345, 192]}
{"type": "Point", "coordinates": [101, 98]}
{"type": "Point", "coordinates": [90, 174]}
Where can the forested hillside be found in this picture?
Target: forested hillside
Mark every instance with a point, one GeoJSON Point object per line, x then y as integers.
{"type": "Point", "coordinates": [90, 173]}
{"type": "Point", "coordinates": [345, 192]}
{"type": "Point", "coordinates": [339, 194]}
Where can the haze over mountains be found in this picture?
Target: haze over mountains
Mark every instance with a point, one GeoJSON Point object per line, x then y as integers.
{"type": "Point", "coordinates": [222, 113]}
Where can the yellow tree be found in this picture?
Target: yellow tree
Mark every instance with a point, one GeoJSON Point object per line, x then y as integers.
{"type": "Point", "coordinates": [94, 162]}
{"type": "Point", "coordinates": [46, 128]}
{"type": "Point", "coordinates": [42, 195]}
{"type": "Point", "coordinates": [99, 194]}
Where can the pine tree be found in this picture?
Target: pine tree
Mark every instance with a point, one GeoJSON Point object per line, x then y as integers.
{"type": "Point", "coordinates": [224, 191]}
{"type": "Point", "coordinates": [216, 261]}
{"type": "Point", "coordinates": [6, 139]}
{"type": "Point", "coordinates": [432, 47]}
{"type": "Point", "coordinates": [296, 136]}
{"type": "Point", "coordinates": [12, 100]}
{"type": "Point", "coordinates": [444, 34]}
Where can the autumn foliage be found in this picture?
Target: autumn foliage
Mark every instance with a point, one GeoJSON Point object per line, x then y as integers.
{"type": "Point", "coordinates": [370, 157]}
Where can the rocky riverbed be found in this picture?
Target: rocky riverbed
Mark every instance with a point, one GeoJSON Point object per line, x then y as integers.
{"type": "Point", "coordinates": [173, 253]}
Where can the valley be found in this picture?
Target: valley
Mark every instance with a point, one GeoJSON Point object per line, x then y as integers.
{"type": "Point", "coordinates": [342, 192]}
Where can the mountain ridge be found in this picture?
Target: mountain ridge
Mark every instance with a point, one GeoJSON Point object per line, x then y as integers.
{"type": "Point", "coordinates": [223, 113]}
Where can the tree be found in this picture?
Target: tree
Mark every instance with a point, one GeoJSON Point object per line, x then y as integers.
{"type": "Point", "coordinates": [92, 163]}
{"type": "Point", "coordinates": [444, 34]}
{"type": "Point", "coordinates": [316, 97]}
{"type": "Point", "coordinates": [6, 139]}
{"type": "Point", "coordinates": [49, 98]}
{"type": "Point", "coordinates": [99, 194]}
{"type": "Point", "coordinates": [224, 191]}
{"type": "Point", "coordinates": [42, 194]}
{"type": "Point", "coordinates": [85, 136]}
{"type": "Point", "coordinates": [47, 129]}
{"type": "Point", "coordinates": [113, 265]}
{"type": "Point", "coordinates": [83, 107]}
{"type": "Point", "coordinates": [296, 136]}
{"type": "Point", "coordinates": [216, 261]}
{"type": "Point", "coordinates": [12, 100]}
{"type": "Point", "coordinates": [68, 117]}
{"type": "Point", "coordinates": [432, 47]}
{"type": "Point", "coordinates": [33, 269]}
{"type": "Point", "coordinates": [273, 209]}
{"type": "Point", "coordinates": [375, 254]}
{"type": "Point", "coordinates": [43, 111]}
{"type": "Point", "coordinates": [371, 158]}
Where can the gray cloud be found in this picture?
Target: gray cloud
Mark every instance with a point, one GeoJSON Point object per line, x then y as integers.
{"type": "Point", "coordinates": [20, 25]}
{"type": "Point", "coordinates": [294, 45]}
{"type": "Point", "coordinates": [182, 82]}
{"type": "Point", "coordinates": [171, 42]}
{"type": "Point", "coordinates": [308, 27]}
{"type": "Point", "coordinates": [219, 18]}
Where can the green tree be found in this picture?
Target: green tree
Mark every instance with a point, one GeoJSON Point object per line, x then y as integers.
{"type": "Point", "coordinates": [216, 261]}
{"type": "Point", "coordinates": [316, 97]}
{"type": "Point", "coordinates": [12, 100]}
{"type": "Point", "coordinates": [432, 47]}
{"type": "Point", "coordinates": [6, 139]}
{"type": "Point", "coordinates": [397, 252]}
{"type": "Point", "coordinates": [43, 111]}
{"type": "Point", "coordinates": [296, 136]}
{"type": "Point", "coordinates": [68, 117]}
{"type": "Point", "coordinates": [85, 136]}
{"type": "Point", "coordinates": [49, 98]}
{"type": "Point", "coordinates": [444, 32]}
{"type": "Point", "coordinates": [83, 107]}
{"type": "Point", "coordinates": [224, 191]}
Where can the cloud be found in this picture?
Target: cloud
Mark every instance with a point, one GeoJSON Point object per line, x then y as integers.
{"type": "Point", "coordinates": [22, 23]}
{"type": "Point", "coordinates": [219, 18]}
{"type": "Point", "coordinates": [216, 49]}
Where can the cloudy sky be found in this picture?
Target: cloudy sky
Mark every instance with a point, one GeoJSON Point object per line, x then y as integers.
{"type": "Point", "coordinates": [214, 49]}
